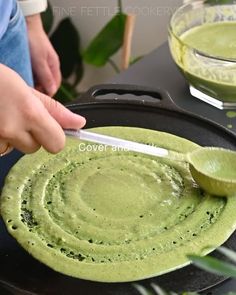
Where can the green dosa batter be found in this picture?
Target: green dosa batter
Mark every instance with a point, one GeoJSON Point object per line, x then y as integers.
{"type": "Point", "coordinates": [216, 39]}
{"type": "Point", "coordinates": [113, 216]}
{"type": "Point", "coordinates": [217, 79]}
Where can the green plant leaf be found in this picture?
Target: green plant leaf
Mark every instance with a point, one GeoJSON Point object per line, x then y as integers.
{"type": "Point", "coordinates": [47, 19]}
{"type": "Point", "coordinates": [142, 290]}
{"type": "Point", "coordinates": [120, 5]}
{"type": "Point", "coordinates": [66, 42]}
{"type": "Point", "coordinates": [114, 65]}
{"type": "Point", "coordinates": [218, 1]}
{"type": "Point", "coordinates": [79, 73]}
{"type": "Point", "coordinates": [66, 93]}
{"type": "Point", "coordinates": [158, 290]}
{"type": "Point", "coordinates": [136, 59]}
{"type": "Point", "coordinates": [190, 293]}
{"type": "Point", "coordinates": [214, 265]}
{"type": "Point", "coordinates": [228, 253]}
{"type": "Point", "coordinates": [107, 42]}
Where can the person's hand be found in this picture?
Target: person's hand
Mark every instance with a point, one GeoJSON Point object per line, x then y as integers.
{"type": "Point", "coordinates": [45, 61]}
{"type": "Point", "coordinates": [30, 119]}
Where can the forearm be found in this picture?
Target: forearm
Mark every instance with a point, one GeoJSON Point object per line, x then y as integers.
{"type": "Point", "coordinates": [44, 59]}
{"type": "Point", "coordinates": [34, 21]}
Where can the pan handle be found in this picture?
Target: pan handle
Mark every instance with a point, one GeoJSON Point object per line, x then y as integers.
{"type": "Point", "coordinates": [123, 93]}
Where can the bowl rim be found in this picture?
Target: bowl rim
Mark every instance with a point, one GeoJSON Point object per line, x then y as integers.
{"type": "Point", "coordinates": [195, 50]}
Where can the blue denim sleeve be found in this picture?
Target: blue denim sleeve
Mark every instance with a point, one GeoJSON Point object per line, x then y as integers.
{"type": "Point", "coordinates": [14, 53]}
{"type": "Point", "coordinates": [14, 48]}
{"type": "Point", "coordinates": [6, 7]}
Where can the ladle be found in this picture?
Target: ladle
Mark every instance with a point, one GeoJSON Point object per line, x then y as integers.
{"type": "Point", "coordinates": [212, 168]}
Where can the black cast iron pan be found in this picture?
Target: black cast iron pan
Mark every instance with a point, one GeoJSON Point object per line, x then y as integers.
{"type": "Point", "coordinates": [121, 105]}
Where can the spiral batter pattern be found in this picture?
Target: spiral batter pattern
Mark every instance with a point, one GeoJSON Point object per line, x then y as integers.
{"type": "Point", "coordinates": [102, 214]}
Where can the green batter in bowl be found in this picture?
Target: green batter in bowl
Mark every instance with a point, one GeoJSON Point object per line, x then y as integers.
{"type": "Point", "coordinates": [202, 41]}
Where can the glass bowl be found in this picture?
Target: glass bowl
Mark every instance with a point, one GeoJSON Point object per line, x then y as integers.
{"type": "Point", "coordinates": [207, 59]}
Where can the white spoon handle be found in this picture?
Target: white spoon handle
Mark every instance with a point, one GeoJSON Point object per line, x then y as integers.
{"type": "Point", "coordinates": [117, 142]}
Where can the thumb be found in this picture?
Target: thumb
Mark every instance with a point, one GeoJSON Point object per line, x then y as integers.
{"type": "Point", "coordinates": [61, 114]}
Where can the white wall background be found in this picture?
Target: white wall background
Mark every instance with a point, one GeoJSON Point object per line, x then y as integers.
{"type": "Point", "coordinates": [90, 16]}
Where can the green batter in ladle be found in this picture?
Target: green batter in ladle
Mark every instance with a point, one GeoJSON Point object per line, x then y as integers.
{"type": "Point", "coordinates": [213, 169]}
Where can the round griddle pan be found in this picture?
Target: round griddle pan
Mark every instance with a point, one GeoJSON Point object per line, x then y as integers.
{"type": "Point", "coordinates": [120, 105]}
